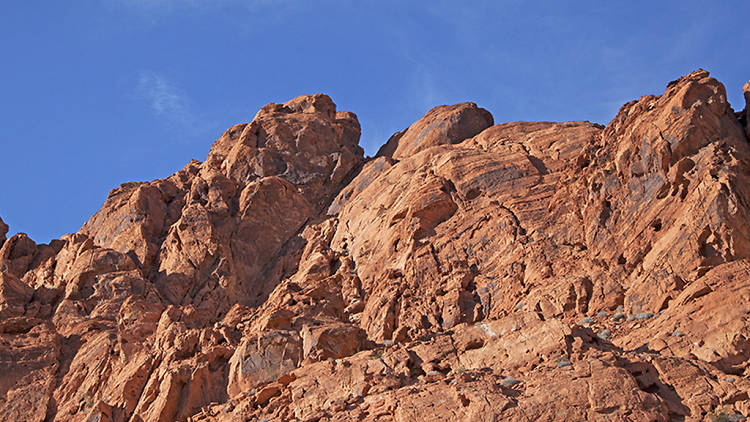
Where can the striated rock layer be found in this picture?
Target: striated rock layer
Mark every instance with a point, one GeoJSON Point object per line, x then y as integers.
{"type": "Point", "coordinates": [521, 271]}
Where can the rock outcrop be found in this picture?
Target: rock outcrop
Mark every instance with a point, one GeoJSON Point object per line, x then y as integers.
{"type": "Point", "coordinates": [470, 271]}
{"type": "Point", "coordinates": [441, 125]}
{"type": "Point", "coordinates": [3, 231]}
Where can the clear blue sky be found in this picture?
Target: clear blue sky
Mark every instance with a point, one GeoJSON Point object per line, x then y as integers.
{"type": "Point", "coordinates": [94, 93]}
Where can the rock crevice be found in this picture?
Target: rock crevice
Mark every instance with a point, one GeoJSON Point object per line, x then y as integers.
{"type": "Point", "coordinates": [469, 271]}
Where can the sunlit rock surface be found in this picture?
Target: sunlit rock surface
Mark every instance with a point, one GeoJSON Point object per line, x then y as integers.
{"type": "Point", "coordinates": [470, 271]}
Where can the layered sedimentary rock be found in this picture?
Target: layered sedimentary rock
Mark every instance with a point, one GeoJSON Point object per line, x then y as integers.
{"type": "Point", "coordinates": [469, 271]}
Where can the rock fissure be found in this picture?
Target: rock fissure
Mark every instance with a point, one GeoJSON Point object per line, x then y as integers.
{"type": "Point", "coordinates": [287, 277]}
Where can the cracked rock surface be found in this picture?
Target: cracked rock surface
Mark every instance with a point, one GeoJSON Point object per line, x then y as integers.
{"type": "Point", "coordinates": [471, 271]}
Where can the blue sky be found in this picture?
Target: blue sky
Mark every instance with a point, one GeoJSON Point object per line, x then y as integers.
{"type": "Point", "coordinates": [94, 93]}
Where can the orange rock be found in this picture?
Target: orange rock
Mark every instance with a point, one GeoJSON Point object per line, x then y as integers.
{"type": "Point", "coordinates": [267, 393]}
{"type": "Point", "coordinates": [331, 341]}
{"type": "Point", "coordinates": [448, 124]}
{"type": "Point", "coordinates": [3, 231]}
{"type": "Point", "coordinates": [471, 271]}
{"type": "Point", "coordinates": [746, 91]}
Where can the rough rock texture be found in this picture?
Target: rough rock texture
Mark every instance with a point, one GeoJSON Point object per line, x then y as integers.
{"type": "Point", "coordinates": [447, 124]}
{"type": "Point", "coordinates": [3, 231]}
{"type": "Point", "coordinates": [470, 271]}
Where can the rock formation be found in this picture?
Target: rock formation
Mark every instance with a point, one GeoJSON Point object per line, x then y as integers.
{"type": "Point", "coordinates": [470, 271]}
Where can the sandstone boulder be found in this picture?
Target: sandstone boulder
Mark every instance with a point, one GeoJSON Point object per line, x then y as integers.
{"type": "Point", "coordinates": [448, 124]}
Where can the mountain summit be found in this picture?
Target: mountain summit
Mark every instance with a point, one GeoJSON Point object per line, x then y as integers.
{"type": "Point", "coordinates": [470, 271]}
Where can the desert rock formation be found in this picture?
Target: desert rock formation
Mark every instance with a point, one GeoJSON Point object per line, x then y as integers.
{"type": "Point", "coordinates": [475, 271]}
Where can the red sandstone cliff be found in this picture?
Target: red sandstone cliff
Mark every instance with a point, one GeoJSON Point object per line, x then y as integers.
{"type": "Point", "coordinates": [470, 271]}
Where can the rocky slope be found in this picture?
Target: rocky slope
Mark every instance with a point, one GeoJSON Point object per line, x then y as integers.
{"type": "Point", "coordinates": [470, 271]}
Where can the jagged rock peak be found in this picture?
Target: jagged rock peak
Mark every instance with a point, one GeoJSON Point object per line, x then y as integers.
{"type": "Point", "coordinates": [316, 103]}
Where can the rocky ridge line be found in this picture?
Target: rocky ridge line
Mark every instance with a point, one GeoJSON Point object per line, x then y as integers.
{"type": "Point", "coordinates": [470, 271]}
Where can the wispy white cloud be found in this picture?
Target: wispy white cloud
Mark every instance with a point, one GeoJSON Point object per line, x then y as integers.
{"type": "Point", "coordinates": [163, 97]}
{"type": "Point", "coordinates": [425, 91]}
{"type": "Point", "coordinates": [167, 101]}
{"type": "Point", "coordinates": [430, 92]}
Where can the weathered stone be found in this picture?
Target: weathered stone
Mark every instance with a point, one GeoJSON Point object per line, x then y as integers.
{"type": "Point", "coordinates": [468, 272]}
{"type": "Point", "coordinates": [3, 231]}
{"type": "Point", "coordinates": [441, 125]}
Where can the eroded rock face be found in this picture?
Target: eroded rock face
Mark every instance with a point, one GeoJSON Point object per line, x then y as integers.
{"type": "Point", "coordinates": [471, 271]}
{"type": "Point", "coordinates": [447, 124]}
{"type": "Point", "coordinates": [3, 231]}
{"type": "Point", "coordinates": [212, 234]}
